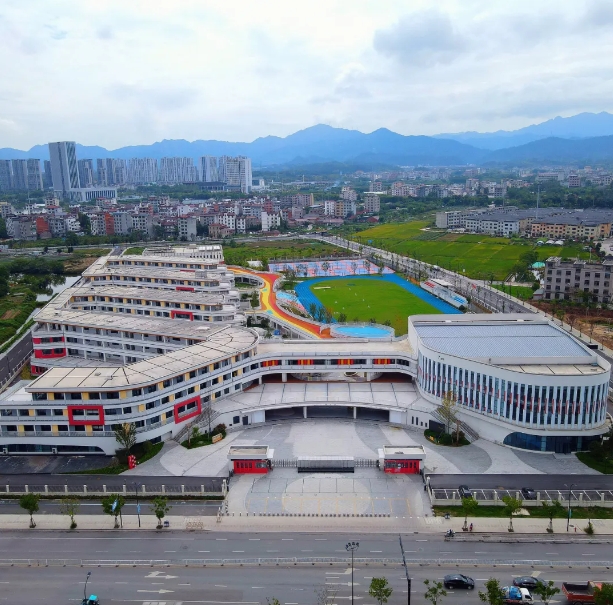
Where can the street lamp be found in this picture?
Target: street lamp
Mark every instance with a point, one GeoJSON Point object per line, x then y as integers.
{"type": "Point", "coordinates": [89, 573]}
{"type": "Point", "coordinates": [570, 493]}
{"type": "Point", "coordinates": [136, 488]}
{"type": "Point", "coordinates": [352, 546]}
{"type": "Point", "coordinates": [406, 571]}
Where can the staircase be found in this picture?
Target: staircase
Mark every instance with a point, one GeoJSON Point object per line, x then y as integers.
{"type": "Point", "coordinates": [196, 421]}
{"type": "Point", "coordinates": [470, 433]}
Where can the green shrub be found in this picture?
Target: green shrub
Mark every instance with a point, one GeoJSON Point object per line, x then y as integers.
{"type": "Point", "coordinates": [445, 439]}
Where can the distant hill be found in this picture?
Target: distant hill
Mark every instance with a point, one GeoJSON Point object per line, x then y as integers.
{"type": "Point", "coordinates": [323, 144]}
{"type": "Point", "coordinates": [580, 126]}
{"type": "Point", "coordinates": [555, 149]}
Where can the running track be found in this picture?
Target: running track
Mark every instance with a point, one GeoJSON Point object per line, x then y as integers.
{"type": "Point", "coordinates": [268, 302]}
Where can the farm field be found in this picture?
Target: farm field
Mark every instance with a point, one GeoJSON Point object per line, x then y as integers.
{"type": "Point", "coordinates": [372, 298]}
{"type": "Point", "coordinates": [477, 256]}
{"type": "Point", "coordinates": [523, 292]}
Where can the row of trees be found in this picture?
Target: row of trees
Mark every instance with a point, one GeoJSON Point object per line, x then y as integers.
{"type": "Point", "coordinates": [111, 505]}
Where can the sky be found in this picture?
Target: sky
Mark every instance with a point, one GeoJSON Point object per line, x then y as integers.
{"type": "Point", "coordinates": [116, 73]}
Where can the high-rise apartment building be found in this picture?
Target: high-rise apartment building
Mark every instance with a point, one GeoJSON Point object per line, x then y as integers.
{"type": "Point", "coordinates": [6, 175]}
{"type": "Point", "coordinates": [64, 169]}
{"type": "Point", "coordinates": [102, 176]}
{"type": "Point", "coordinates": [20, 174]}
{"type": "Point", "coordinates": [35, 177]}
{"type": "Point", "coordinates": [26, 175]}
{"type": "Point", "coordinates": [142, 171]}
{"type": "Point", "coordinates": [208, 169]}
{"type": "Point", "coordinates": [178, 170]}
{"type": "Point", "coordinates": [86, 172]}
{"type": "Point", "coordinates": [120, 171]}
{"type": "Point", "coordinates": [47, 178]}
{"type": "Point", "coordinates": [236, 172]}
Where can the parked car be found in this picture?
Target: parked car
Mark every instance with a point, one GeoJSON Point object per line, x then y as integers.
{"type": "Point", "coordinates": [458, 581]}
{"type": "Point", "coordinates": [529, 582]}
{"type": "Point", "coordinates": [528, 493]}
{"type": "Point", "coordinates": [465, 491]}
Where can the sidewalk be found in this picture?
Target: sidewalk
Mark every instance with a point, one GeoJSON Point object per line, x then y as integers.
{"type": "Point", "coordinates": [251, 523]}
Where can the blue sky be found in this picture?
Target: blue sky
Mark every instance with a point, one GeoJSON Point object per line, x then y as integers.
{"type": "Point", "coordinates": [126, 72]}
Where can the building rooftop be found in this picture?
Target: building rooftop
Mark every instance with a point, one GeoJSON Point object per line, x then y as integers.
{"type": "Point", "coordinates": [145, 293]}
{"type": "Point", "coordinates": [221, 343]}
{"type": "Point", "coordinates": [520, 342]}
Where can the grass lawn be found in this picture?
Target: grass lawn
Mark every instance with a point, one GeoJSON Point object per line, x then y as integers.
{"type": "Point", "coordinates": [538, 512]}
{"type": "Point", "coordinates": [374, 298]}
{"type": "Point", "coordinates": [134, 250]}
{"type": "Point", "coordinates": [476, 255]}
{"type": "Point", "coordinates": [523, 292]}
{"type": "Point", "coordinates": [602, 466]}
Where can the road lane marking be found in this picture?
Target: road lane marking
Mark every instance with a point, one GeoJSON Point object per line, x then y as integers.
{"type": "Point", "coordinates": [254, 539]}
{"type": "Point", "coordinates": [221, 539]}
{"type": "Point", "coordinates": [238, 551]}
{"type": "Point", "coordinates": [286, 539]}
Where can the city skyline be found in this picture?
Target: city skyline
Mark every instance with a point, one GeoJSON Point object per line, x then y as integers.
{"type": "Point", "coordinates": [464, 66]}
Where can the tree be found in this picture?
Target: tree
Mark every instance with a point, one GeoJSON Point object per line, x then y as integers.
{"type": "Point", "coordinates": [546, 591]}
{"type": "Point", "coordinates": [512, 506]}
{"type": "Point", "coordinates": [272, 601]}
{"type": "Point", "coordinates": [313, 310]}
{"type": "Point", "coordinates": [354, 267]}
{"type": "Point", "coordinates": [447, 410]}
{"type": "Point", "coordinates": [192, 431]}
{"type": "Point", "coordinates": [380, 590]}
{"type": "Point", "coordinates": [85, 223]}
{"type": "Point", "coordinates": [125, 435]}
{"type": "Point", "coordinates": [70, 507]}
{"type": "Point", "coordinates": [255, 299]}
{"type": "Point", "coordinates": [207, 415]}
{"type": "Point", "coordinates": [469, 506]}
{"type": "Point", "coordinates": [159, 507]}
{"type": "Point", "coordinates": [325, 267]}
{"type": "Point", "coordinates": [493, 595]}
{"type": "Point", "coordinates": [434, 592]}
{"type": "Point", "coordinates": [603, 595]}
{"type": "Point", "coordinates": [29, 502]}
{"type": "Point", "coordinates": [112, 505]}
{"type": "Point", "coordinates": [342, 318]}
{"type": "Point", "coordinates": [551, 509]}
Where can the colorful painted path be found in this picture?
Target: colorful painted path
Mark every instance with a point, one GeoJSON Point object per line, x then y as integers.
{"type": "Point", "coordinates": [268, 302]}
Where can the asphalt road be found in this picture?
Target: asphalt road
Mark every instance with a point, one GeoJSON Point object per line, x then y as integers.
{"type": "Point", "coordinates": [252, 585]}
{"type": "Point", "coordinates": [178, 546]}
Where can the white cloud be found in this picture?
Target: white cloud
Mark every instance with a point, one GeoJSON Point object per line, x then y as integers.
{"type": "Point", "coordinates": [117, 73]}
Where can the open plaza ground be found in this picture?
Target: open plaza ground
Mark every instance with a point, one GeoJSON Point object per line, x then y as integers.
{"type": "Point", "coordinates": [476, 255]}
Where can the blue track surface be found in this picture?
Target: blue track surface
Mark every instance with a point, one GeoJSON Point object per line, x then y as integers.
{"type": "Point", "coordinates": [306, 296]}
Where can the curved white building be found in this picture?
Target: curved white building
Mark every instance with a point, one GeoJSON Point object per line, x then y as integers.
{"type": "Point", "coordinates": [141, 343]}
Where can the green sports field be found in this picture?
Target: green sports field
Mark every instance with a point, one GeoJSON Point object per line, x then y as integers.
{"type": "Point", "coordinates": [373, 298]}
{"type": "Point", "coordinates": [477, 256]}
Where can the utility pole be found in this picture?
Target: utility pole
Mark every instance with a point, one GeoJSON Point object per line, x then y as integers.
{"type": "Point", "coordinates": [406, 571]}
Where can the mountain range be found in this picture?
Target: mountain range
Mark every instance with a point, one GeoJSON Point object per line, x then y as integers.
{"type": "Point", "coordinates": [586, 137]}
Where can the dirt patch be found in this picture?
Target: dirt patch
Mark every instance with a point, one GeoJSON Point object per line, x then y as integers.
{"type": "Point", "coordinates": [78, 266]}
{"type": "Point", "coordinates": [11, 314]}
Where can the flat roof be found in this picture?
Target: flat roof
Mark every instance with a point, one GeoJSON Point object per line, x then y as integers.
{"type": "Point", "coordinates": [222, 343]}
{"type": "Point", "coordinates": [147, 293]}
{"type": "Point", "coordinates": [403, 449]}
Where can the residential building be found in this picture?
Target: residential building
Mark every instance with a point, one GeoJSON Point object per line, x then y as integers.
{"type": "Point", "coordinates": [102, 174]}
{"type": "Point", "coordinates": [122, 223]}
{"type": "Point", "coordinates": [47, 176]}
{"type": "Point", "coordinates": [574, 180]}
{"type": "Point", "coordinates": [270, 221]}
{"type": "Point", "coordinates": [35, 177]}
{"type": "Point", "coordinates": [187, 227]}
{"type": "Point", "coordinates": [569, 279]}
{"type": "Point", "coordinates": [344, 208]}
{"type": "Point", "coordinates": [208, 169]}
{"type": "Point", "coordinates": [584, 224]}
{"type": "Point", "coordinates": [219, 231]}
{"type": "Point", "coordinates": [236, 172]}
{"type": "Point", "coordinates": [19, 168]}
{"type": "Point", "coordinates": [6, 175]}
{"type": "Point", "coordinates": [177, 170]}
{"type": "Point", "coordinates": [64, 168]}
{"type": "Point", "coordinates": [142, 171]}
{"type": "Point", "coordinates": [376, 186]}
{"type": "Point", "coordinates": [450, 219]}
{"type": "Point", "coordinates": [372, 202]}
{"type": "Point", "coordinates": [143, 222]}
{"type": "Point", "coordinates": [349, 194]}
{"type": "Point", "coordinates": [93, 193]}
{"type": "Point", "coordinates": [86, 173]}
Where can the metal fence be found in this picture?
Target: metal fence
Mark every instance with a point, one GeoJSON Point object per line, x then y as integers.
{"type": "Point", "coordinates": [297, 561]}
{"type": "Point", "coordinates": [588, 497]}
